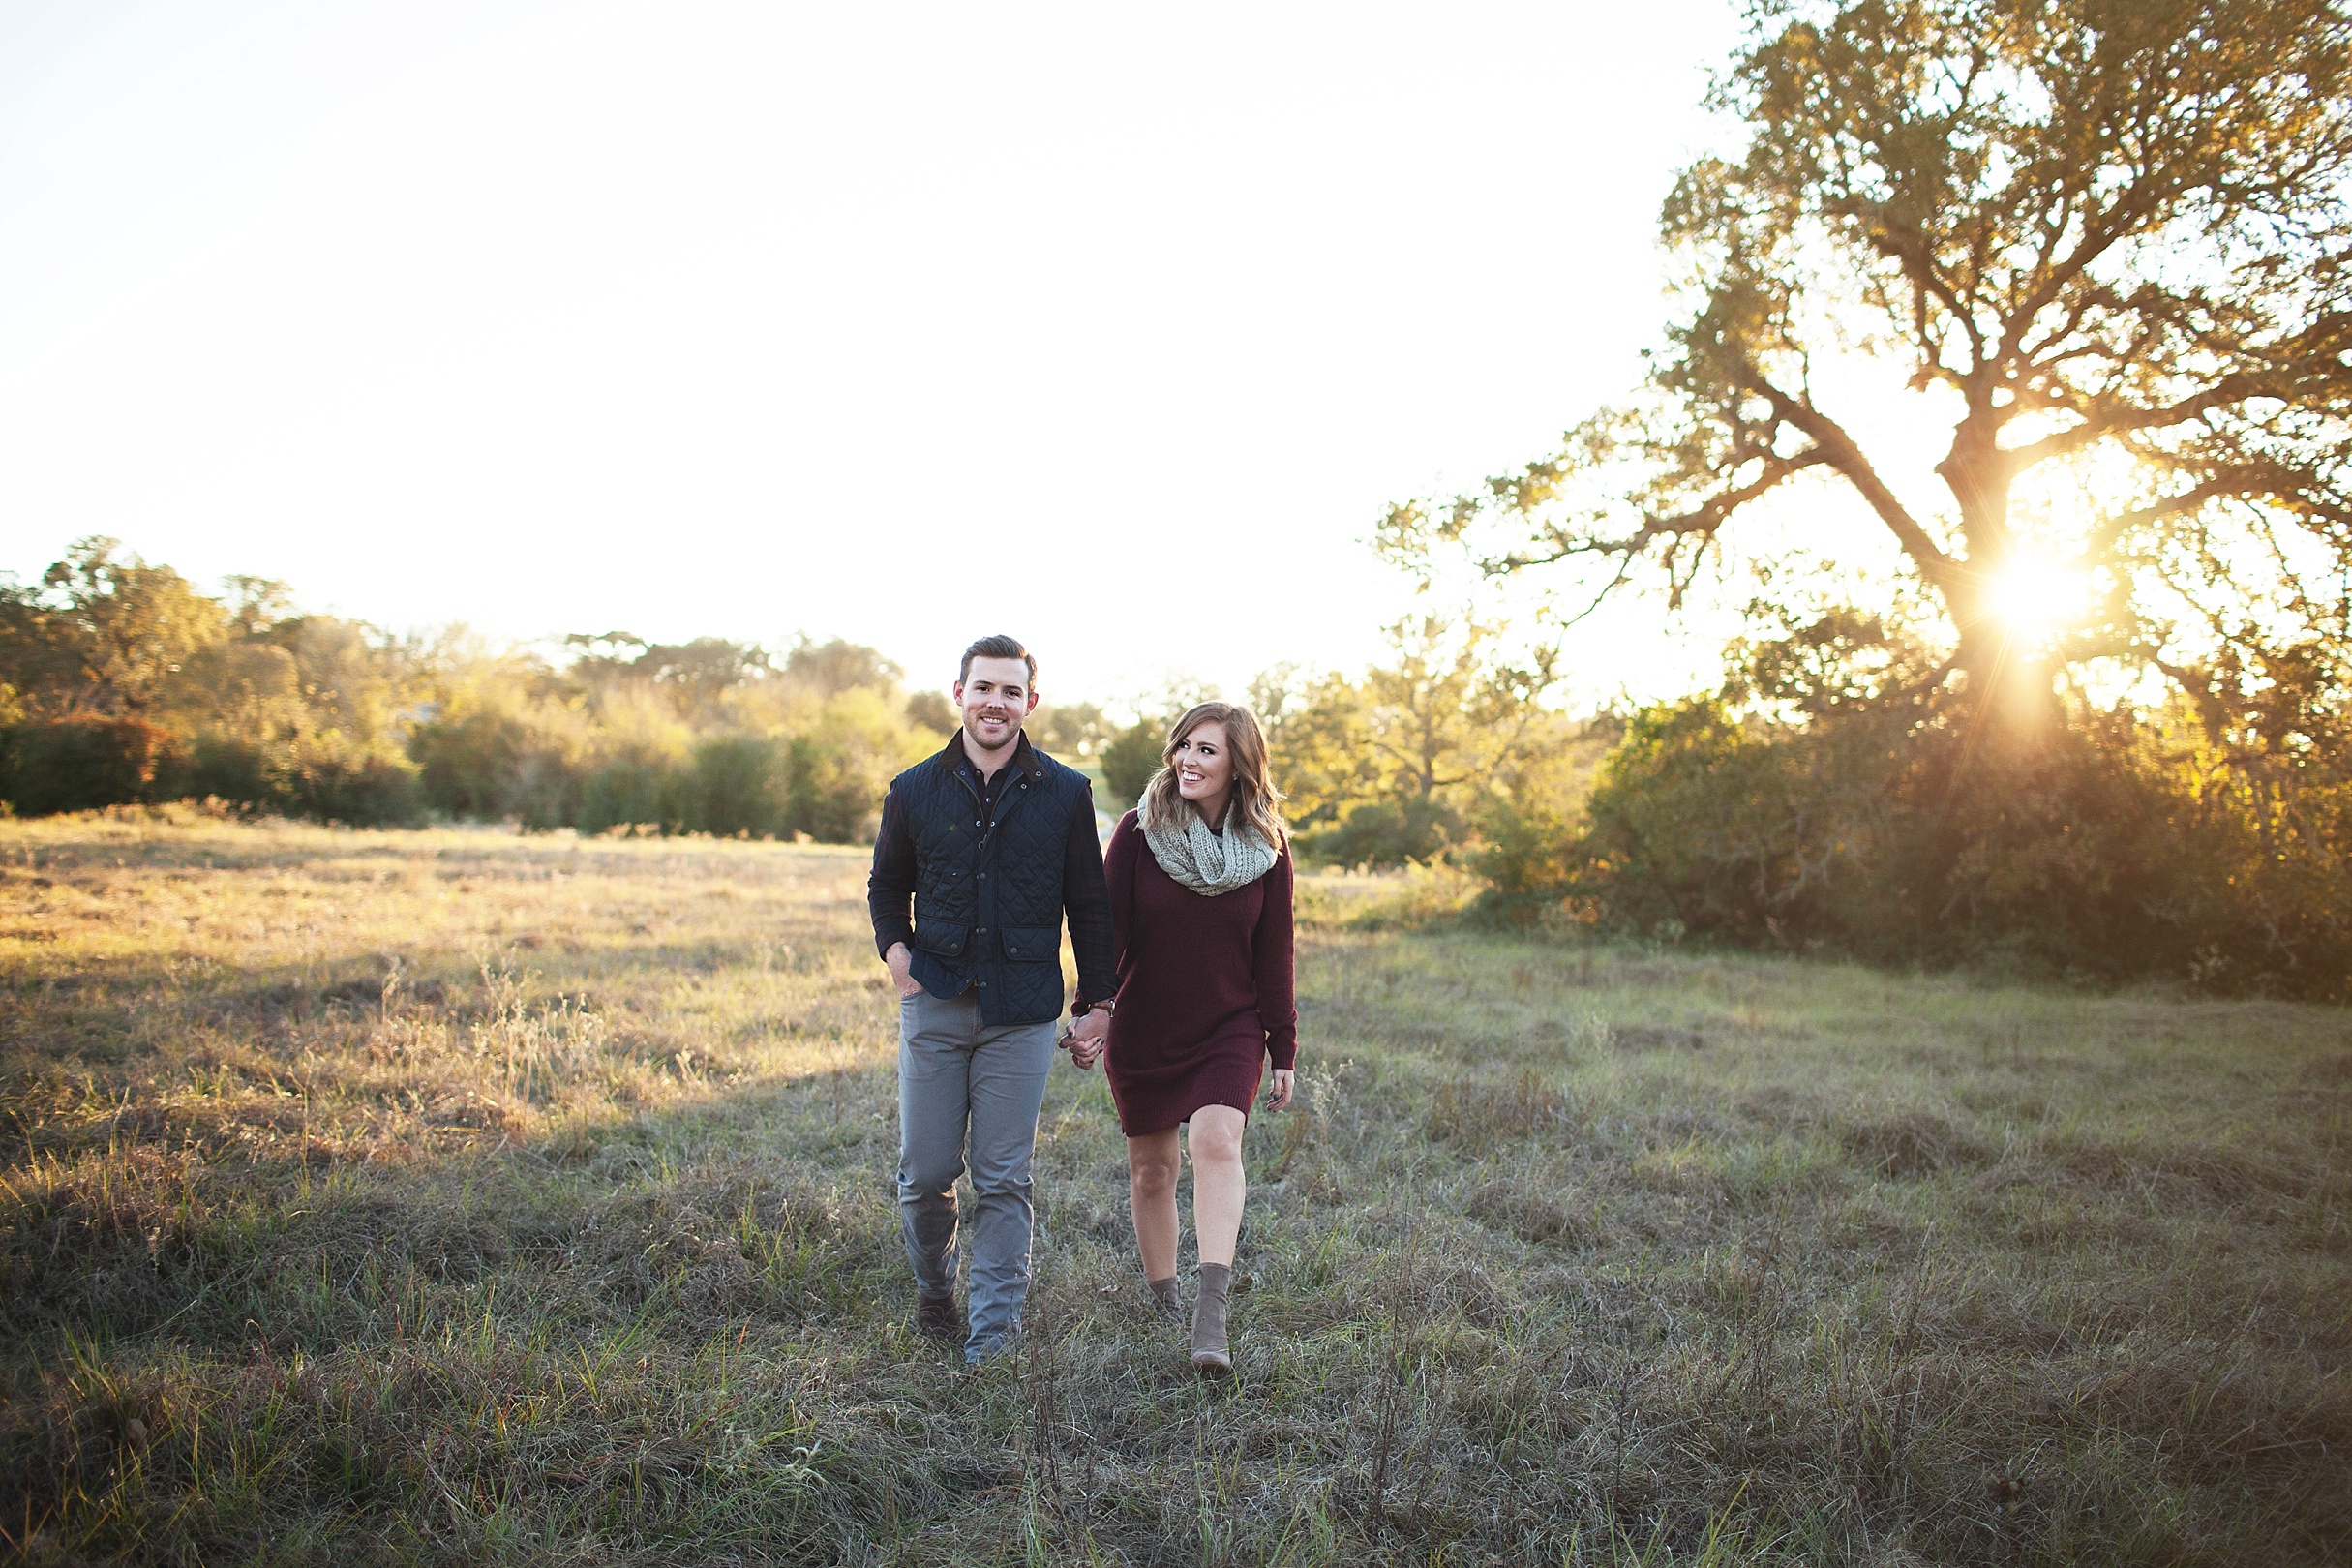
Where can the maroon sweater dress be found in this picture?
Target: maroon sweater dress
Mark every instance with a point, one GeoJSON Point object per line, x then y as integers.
{"type": "Point", "coordinates": [1204, 988]}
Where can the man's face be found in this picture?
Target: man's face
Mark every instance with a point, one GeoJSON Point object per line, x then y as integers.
{"type": "Point", "coordinates": [995, 697]}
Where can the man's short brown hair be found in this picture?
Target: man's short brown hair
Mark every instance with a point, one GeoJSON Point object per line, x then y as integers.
{"type": "Point", "coordinates": [999, 646]}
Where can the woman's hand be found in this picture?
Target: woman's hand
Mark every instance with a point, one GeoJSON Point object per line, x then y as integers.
{"type": "Point", "coordinates": [1084, 1053]}
{"type": "Point", "coordinates": [1285, 1080]}
{"type": "Point", "coordinates": [1089, 1037]}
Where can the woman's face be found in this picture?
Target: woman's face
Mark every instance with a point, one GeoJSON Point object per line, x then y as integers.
{"type": "Point", "coordinates": [1203, 764]}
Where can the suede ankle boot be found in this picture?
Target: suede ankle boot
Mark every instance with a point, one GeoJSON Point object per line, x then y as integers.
{"type": "Point", "coordinates": [1209, 1349]}
{"type": "Point", "coordinates": [1166, 1304]}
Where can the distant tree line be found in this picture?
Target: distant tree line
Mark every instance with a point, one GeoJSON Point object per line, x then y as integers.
{"type": "Point", "coordinates": [1832, 796]}
{"type": "Point", "coordinates": [1448, 748]}
{"type": "Point", "coordinates": [120, 682]}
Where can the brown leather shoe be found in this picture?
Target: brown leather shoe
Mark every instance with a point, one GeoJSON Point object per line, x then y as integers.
{"type": "Point", "coordinates": [938, 1317]}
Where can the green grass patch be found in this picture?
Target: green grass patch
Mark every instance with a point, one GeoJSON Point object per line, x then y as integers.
{"type": "Point", "coordinates": [456, 1196]}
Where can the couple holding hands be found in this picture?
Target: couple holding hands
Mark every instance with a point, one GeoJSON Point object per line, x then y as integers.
{"type": "Point", "coordinates": [1183, 937]}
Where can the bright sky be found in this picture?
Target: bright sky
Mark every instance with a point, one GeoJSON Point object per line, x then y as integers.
{"type": "Point", "coordinates": [1114, 327]}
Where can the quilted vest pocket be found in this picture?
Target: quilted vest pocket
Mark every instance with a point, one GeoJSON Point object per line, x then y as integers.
{"type": "Point", "coordinates": [945, 939]}
{"type": "Point", "coordinates": [1033, 943]}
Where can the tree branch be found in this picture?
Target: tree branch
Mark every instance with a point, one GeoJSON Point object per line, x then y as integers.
{"type": "Point", "coordinates": [2235, 482]}
{"type": "Point", "coordinates": [1840, 451]}
{"type": "Point", "coordinates": [1701, 520]}
{"type": "Point", "coordinates": [2104, 422]}
{"type": "Point", "coordinates": [1905, 246]}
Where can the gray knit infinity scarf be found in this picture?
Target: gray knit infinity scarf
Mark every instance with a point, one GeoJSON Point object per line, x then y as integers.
{"type": "Point", "coordinates": [1209, 863]}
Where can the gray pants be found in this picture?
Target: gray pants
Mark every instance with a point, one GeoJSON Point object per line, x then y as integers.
{"type": "Point", "coordinates": [956, 1074]}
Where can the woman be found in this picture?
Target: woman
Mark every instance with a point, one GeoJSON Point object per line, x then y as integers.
{"type": "Point", "coordinates": [1200, 902]}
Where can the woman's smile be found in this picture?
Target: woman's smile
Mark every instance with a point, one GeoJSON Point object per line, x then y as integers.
{"type": "Point", "coordinates": [1203, 763]}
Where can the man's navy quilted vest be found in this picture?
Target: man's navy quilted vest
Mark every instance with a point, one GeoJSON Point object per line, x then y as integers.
{"type": "Point", "coordinates": [988, 900]}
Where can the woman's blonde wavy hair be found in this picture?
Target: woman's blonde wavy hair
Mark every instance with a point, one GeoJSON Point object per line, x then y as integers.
{"type": "Point", "coordinates": [1254, 793]}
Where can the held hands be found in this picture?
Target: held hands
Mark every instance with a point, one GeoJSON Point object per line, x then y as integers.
{"type": "Point", "coordinates": [1088, 1038]}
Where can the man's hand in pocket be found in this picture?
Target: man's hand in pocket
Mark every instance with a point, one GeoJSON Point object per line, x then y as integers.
{"type": "Point", "coordinates": [902, 967]}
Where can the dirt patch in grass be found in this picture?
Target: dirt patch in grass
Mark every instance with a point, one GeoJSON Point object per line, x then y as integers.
{"type": "Point", "coordinates": [1914, 1143]}
{"type": "Point", "coordinates": [1532, 1215]}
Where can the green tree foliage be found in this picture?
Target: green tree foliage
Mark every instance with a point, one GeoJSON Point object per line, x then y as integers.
{"type": "Point", "coordinates": [830, 667]}
{"type": "Point", "coordinates": [1832, 798]}
{"type": "Point", "coordinates": [1130, 759]}
{"type": "Point", "coordinates": [703, 736]}
{"type": "Point", "coordinates": [1407, 760]}
{"type": "Point", "coordinates": [1074, 733]}
{"type": "Point", "coordinates": [504, 742]}
{"type": "Point", "coordinates": [842, 764]}
{"type": "Point", "coordinates": [931, 712]}
{"type": "Point", "coordinates": [2104, 247]}
{"type": "Point", "coordinates": [1837, 796]}
{"type": "Point", "coordinates": [234, 697]}
{"type": "Point", "coordinates": [735, 784]}
{"type": "Point", "coordinates": [78, 764]}
{"type": "Point", "coordinates": [2096, 238]}
{"type": "Point", "coordinates": [124, 683]}
{"type": "Point", "coordinates": [102, 634]}
{"type": "Point", "coordinates": [633, 790]}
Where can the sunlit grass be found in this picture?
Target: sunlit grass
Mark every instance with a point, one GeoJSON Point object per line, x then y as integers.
{"type": "Point", "coordinates": [464, 1196]}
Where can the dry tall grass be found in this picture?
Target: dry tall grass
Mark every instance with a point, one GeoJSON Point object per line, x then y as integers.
{"type": "Point", "coordinates": [458, 1196]}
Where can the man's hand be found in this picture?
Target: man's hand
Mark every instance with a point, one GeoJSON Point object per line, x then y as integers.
{"type": "Point", "coordinates": [1089, 1037]}
{"type": "Point", "coordinates": [1286, 1079]}
{"type": "Point", "coordinates": [902, 967]}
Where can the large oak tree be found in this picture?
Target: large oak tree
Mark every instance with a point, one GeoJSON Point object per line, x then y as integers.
{"type": "Point", "coordinates": [2107, 237]}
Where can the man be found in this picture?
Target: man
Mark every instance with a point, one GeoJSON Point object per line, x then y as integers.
{"type": "Point", "coordinates": [993, 840]}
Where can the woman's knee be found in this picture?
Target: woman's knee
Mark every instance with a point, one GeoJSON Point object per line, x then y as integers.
{"type": "Point", "coordinates": [1153, 1160]}
{"type": "Point", "coordinates": [1151, 1175]}
{"type": "Point", "coordinates": [1218, 1140]}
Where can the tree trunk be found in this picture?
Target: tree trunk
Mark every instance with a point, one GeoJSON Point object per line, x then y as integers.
{"type": "Point", "coordinates": [2009, 685]}
{"type": "Point", "coordinates": [2009, 677]}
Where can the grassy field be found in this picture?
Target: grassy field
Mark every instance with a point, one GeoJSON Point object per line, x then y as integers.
{"type": "Point", "coordinates": [456, 1196]}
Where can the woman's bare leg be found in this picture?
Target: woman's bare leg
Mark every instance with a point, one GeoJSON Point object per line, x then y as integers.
{"type": "Point", "coordinates": [1151, 1195]}
{"type": "Point", "coordinates": [1219, 1186]}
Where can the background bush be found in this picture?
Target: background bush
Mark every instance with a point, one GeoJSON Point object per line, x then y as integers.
{"type": "Point", "coordinates": [1129, 761]}
{"type": "Point", "coordinates": [120, 683]}
{"type": "Point", "coordinates": [79, 764]}
{"type": "Point", "coordinates": [1889, 825]}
